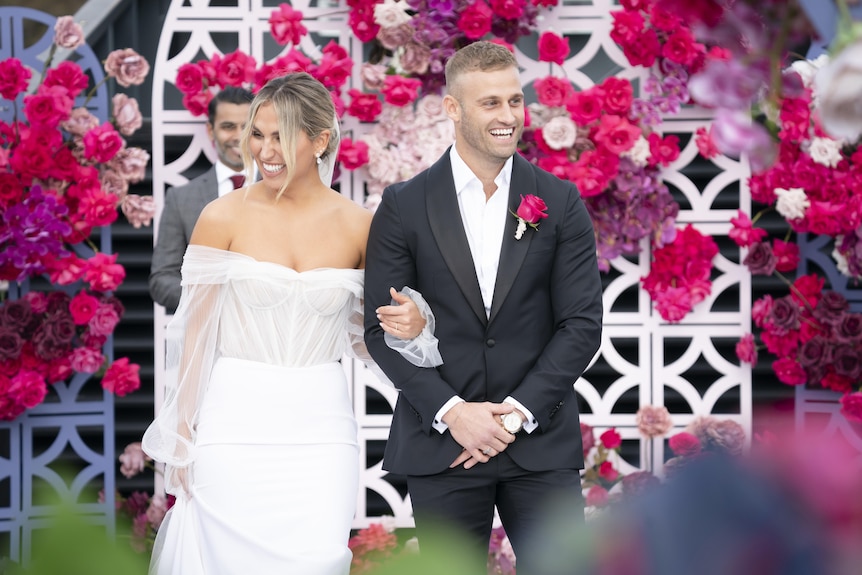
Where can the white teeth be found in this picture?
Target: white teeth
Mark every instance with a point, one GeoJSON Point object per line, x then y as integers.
{"type": "Point", "coordinates": [272, 167]}
{"type": "Point", "coordinates": [503, 133]}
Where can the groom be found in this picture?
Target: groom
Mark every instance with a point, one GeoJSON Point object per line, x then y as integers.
{"type": "Point", "coordinates": [518, 316]}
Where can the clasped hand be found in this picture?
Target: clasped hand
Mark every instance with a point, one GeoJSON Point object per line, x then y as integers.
{"type": "Point", "coordinates": [477, 428]}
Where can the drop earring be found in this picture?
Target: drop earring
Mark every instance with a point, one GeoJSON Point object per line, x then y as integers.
{"type": "Point", "coordinates": [317, 155]}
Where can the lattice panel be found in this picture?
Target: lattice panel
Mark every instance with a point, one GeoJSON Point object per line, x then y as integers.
{"type": "Point", "coordinates": [686, 366]}
{"type": "Point", "coordinates": [64, 447]}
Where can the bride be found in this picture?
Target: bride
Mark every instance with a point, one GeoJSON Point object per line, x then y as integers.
{"type": "Point", "coordinates": [257, 432]}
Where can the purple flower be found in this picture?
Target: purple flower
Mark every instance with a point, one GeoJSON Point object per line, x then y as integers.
{"type": "Point", "coordinates": [727, 84]}
{"type": "Point", "coordinates": [814, 352]}
{"type": "Point", "coordinates": [760, 259]}
{"type": "Point", "coordinates": [831, 307]}
{"type": "Point", "coordinates": [849, 328]}
{"type": "Point", "coordinates": [845, 358]}
{"type": "Point", "coordinates": [10, 344]}
{"type": "Point", "coordinates": [16, 314]}
{"type": "Point", "coordinates": [784, 315]}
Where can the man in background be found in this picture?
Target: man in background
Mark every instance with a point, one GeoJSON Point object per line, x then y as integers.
{"type": "Point", "coordinates": [226, 118]}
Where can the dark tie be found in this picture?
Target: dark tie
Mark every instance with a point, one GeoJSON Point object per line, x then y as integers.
{"type": "Point", "coordinates": [238, 180]}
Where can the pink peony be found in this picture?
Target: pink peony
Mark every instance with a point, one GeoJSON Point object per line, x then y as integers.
{"type": "Point", "coordinates": [104, 320]}
{"type": "Point", "coordinates": [103, 273]}
{"type": "Point", "coordinates": [285, 23]}
{"type": "Point", "coordinates": [86, 360]}
{"type": "Point", "coordinates": [133, 460]}
{"type": "Point", "coordinates": [127, 66]}
{"type": "Point", "coordinates": [653, 420]}
{"type": "Point", "coordinates": [122, 377]}
{"type": "Point", "coordinates": [68, 34]}
{"type": "Point", "coordinates": [139, 210]}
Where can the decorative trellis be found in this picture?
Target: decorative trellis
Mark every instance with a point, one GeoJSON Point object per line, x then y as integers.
{"type": "Point", "coordinates": [62, 449]}
{"type": "Point", "coordinates": [689, 367]}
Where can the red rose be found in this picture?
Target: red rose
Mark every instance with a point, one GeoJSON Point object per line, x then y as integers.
{"type": "Point", "coordinates": [553, 48]}
{"type": "Point", "coordinates": [190, 79]}
{"type": "Point", "coordinates": [122, 377]}
{"type": "Point", "coordinates": [83, 307]}
{"type": "Point", "coordinates": [607, 471]}
{"type": "Point", "coordinates": [611, 439]}
{"type": "Point", "coordinates": [532, 209]}
{"type": "Point", "coordinates": [475, 20]}
{"type": "Point", "coordinates": [684, 444]}
{"type": "Point", "coordinates": [14, 78]}
{"type": "Point", "coordinates": [789, 371]}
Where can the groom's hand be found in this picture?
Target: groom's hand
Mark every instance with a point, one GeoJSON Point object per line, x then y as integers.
{"type": "Point", "coordinates": [476, 427]}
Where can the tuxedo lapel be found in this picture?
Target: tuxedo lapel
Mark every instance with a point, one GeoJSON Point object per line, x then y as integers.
{"type": "Point", "coordinates": [513, 251]}
{"type": "Point", "coordinates": [444, 217]}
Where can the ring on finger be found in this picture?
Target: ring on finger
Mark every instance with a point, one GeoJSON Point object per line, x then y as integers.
{"type": "Point", "coordinates": [486, 451]}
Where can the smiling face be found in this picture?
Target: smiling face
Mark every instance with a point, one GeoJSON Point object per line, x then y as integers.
{"type": "Point", "coordinates": [270, 154]}
{"type": "Point", "coordinates": [488, 111]}
{"type": "Point", "coordinates": [225, 132]}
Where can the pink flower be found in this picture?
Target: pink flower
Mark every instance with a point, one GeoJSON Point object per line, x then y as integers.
{"type": "Point", "coordinates": [552, 91]}
{"type": "Point", "coordinates": [189, 78]}
{"type": "Point", "coordinates": [67, 75]}
{"type": "Point", "coordinates": [532, 209]}
{"type": "Point", "coordinates": [611, 439]}
{"type": "Point", "coordinates": [663, 150]}
{"type": "Point", "coordinates": [197, 103]}
{"type": "Point", "coordinates": [684, 444]}
{"type": "Point", "coordinates": [14, 78]}
{"type": "Point", "coordinates": [508, 9]}
{"type": "Point", "coordinates": [746, 349]}
{"type": "Point", "coordinates": [365, 107]}
{"type": "Point", "coordinates": [673, 303]}
{"type": "Point", "coordinates": [122, 377]}
{"type": "Point", "coordinates": [597, 496]}
{"type": "Point", "coordinates": [86, 360]}
{"type": "Point", "coordinates": [127, 116]}
{"type": "Point", "coordinates": [139, 210]}
{"type": "Point", "coordinates": [127, 66]}
{"type": "Point", "coordinates": [616, 133]}
{"type": "Point", "coordinates": [103, 273]}
{"type": "Point", "coordinates": [83, 307]}
{"type": "Point", "coordinates": [653, 420]}
{"type": "Point", "coordinates": [353, 154]}
{"type": "Point", "coordinates": [588, 438]}
{"type": "Point", "coordinates": [743, 232]}
{"type": "Point", "coordinates": [586, 107]}
{"type": "Point", "coordinates": [786, 255]}
{"type": "Point", "coordinates": [618, 95]}
{"type": "Point", "coordinates": [400, 91]}
{"type": "Point", "coordinates": [851, 406]}
{"type": "Point", "coordinates": [48, 107]}
{"type": "Point", "coordinates": [131, 164]}
{"type": "Point", "coordinates": [104, 320]}
{"type": "Point", "coordinates": [27, 388]}
{"type": "Point", "coordinates": [789, 371]}
{"type": "Point", "coordinates": [235, 69]}
{"type": "Point", "coordinates": [705, 144]}
{"type": "Point", "coordinates": [102, 144]}
{"type": "Point", "coordinates": [68, 34]}
{"type": "Point", "coordinates": [285, 23]}
{"type": "Point", "coordinates": [553, 48]}
{"type": "Point", "coordinates": [475, 20]}
{"type": "Point", "coordinates": [133, 460]}
{"type": "Point", "coordinates": [80, 122]}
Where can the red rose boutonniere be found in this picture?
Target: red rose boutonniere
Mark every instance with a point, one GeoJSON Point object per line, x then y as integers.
{"type": "Point", "coordinates": [530, 213]}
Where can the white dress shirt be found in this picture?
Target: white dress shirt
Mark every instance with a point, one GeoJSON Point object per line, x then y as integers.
{"type": "Point", "coordinates": [223, 174]}
{"type": "Point", "coordinates": [484, 222]}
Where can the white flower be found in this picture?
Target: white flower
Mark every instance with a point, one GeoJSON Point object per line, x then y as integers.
{"type": "Point", "coordinates": [391, 13]}
{"type": "Point", "coordinates": [639, 153]}
{"type": "Point", "coordinates": [560, 132]}
{"type": "Point", "coordinates": [837, 86]}
{"type": "Point", "coordinates": [791, 203]}
{"type": "Point", "coordinates": [825, 151]}
{"type": "Point", "coordinates": [807, 69]}
{"type": "Point", "coordinates": [522, 227]}
{"type": "Point", "coordinates": [840, 260]}
{"type": "Point", "coordinates": [388, 523]}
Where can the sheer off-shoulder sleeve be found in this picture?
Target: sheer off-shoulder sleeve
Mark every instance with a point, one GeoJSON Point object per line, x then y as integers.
{"type": "Point", "coordinates": [422, 350]}
{"type": "Point", "coordinates": [190, 348]}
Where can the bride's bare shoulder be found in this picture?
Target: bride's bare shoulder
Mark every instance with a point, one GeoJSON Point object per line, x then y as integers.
{"type": "Point", "coordinates": [215, 225]}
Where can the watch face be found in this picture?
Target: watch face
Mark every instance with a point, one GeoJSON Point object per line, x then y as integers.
{"type": "Point", "coordinates": [512, 422]}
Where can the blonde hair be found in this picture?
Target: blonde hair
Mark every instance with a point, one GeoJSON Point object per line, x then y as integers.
{"type": "Point", "coordinates": [480, 56]}
{"type": "Point", "coordinates": [302, 104]}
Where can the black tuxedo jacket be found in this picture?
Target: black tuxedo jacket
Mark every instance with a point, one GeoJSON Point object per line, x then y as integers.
{"type": "Point", "coordinates": [544, 326]}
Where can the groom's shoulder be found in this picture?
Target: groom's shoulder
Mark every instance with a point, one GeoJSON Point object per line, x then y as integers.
{"type": "Point", "coordinates": [547, 182]}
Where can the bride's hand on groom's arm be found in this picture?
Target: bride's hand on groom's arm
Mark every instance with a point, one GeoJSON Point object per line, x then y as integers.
{"type": "Point", "coordinates": [403, 320]}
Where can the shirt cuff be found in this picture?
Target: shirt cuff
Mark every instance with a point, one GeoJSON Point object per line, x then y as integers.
{"type": "Point", "coordinates": [438, 419]}
{"type": "Point", "coordinates": [531, 424]}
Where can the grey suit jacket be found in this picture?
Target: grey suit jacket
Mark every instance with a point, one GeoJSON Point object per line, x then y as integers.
{"type": "Point", "coordinates": [183, 206]}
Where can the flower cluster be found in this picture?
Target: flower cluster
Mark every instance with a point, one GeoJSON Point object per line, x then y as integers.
{"type": "Point", "coordinates": [199, 81]}
{"type": "Point", "coordinates": [815, 339]}
{"type": "Point", "coordinates": [140, 514]}
{"type": "Point", "coordinates": [62, 171]}
{"type": "Point", "coordinates": [45, 338]}
{"type": "Point", "coordinates": [705, 435]}
{"type": "Point", "coordinates": [417, 37]}
{"type": "Point", "coordinates": [679, 277]}
{"type": "Point", "coordinates": [62, 174]}
{"type": "Point", "coordinates": [373, 545]}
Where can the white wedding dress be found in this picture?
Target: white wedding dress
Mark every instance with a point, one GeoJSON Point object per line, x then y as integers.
{"type": "Point", "coordinates": [261, 418]}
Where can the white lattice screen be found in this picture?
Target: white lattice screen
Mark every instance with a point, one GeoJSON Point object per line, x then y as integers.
{"type": "Point", "coordinates": [685, 366]}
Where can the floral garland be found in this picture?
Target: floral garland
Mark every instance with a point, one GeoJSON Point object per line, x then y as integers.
{"type": "Point", "coordinates": [63, 174]}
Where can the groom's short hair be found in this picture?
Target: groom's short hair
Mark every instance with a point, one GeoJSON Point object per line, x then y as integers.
{"type": "Point", "coordinates": [480, 56]}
